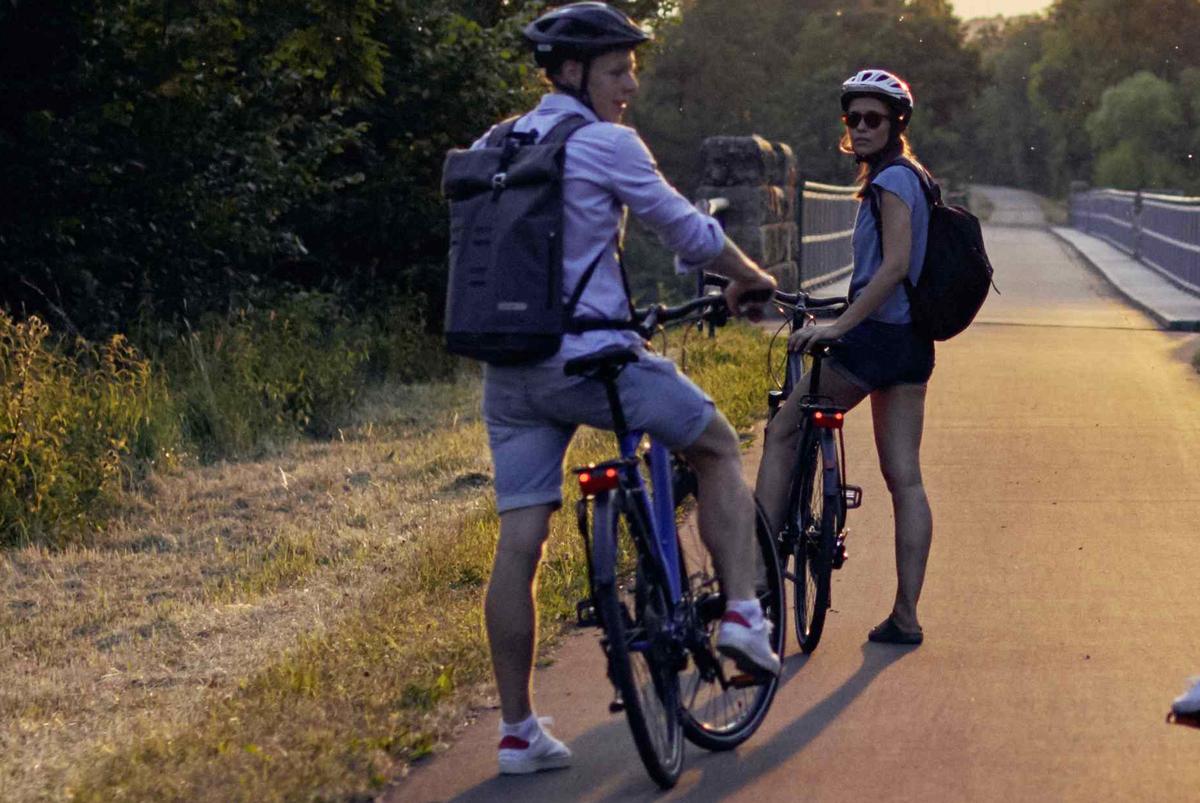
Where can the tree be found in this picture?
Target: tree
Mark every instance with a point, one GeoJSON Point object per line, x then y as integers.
{"type": "Point", "coordinates": [1007, 135]}
{"type": "Point", "coordinates": [1090, 45]}
{"type": "Point", "coordinates": [775, 68]}
{"type": "Point", "coordinates": [1136, 136]}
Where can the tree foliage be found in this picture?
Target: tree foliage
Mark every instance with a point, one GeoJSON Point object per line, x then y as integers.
{"type": "Point", "coordinates": [775, 68]}
{"type": "Point", "coordinates": [1135, 133]}
{"type": "Point", "coordinates": [166, 160]}
{"type": "Point", "coordinates": [1091, 45]}
{"type": "Point", "coordinates": [161, 160]}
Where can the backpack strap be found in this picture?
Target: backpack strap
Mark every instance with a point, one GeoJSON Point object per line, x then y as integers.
{"type": "Point", "coordinates": [931, 189]}
{"type": "Point", "coordinates": [577, 325]}
{"type": "Point", "coordinates": [500, 131]}
{"type": "Point", "coordinates": [561, 132]}
{"type": "Point", "coordinates": [564, 128]}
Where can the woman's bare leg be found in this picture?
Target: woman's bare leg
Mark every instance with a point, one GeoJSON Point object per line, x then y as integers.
{"type": "Point", "coordinates": [899, 416]}
{"type": "Point", "coordinates": [782, 440]}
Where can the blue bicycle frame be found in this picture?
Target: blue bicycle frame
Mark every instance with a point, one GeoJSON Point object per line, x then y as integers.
{"type": "Point", "coordinates": [655, 510]}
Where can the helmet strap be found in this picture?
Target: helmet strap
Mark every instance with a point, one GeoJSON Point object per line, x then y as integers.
{"type": "Point", "coordinates": [581, 94]}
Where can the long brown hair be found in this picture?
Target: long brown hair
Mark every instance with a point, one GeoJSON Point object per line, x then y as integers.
{"type": "Point", "coordinates": [869, 168]}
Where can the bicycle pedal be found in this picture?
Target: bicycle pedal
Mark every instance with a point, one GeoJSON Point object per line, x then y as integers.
{"type": "Point", "coordinates": [853, 496]}
{"type": "Point", "coordinates": [585, 614]}
{"type": "Point", "coordinates": [710, 607]}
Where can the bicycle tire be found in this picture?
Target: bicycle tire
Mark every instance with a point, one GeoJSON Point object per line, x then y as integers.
{"type": "Point", "coordinates": [639, 665]}
{"type": "Point", "coordinates": [813, 509]}
{"type": "Point", "coordinates": [717, 718]}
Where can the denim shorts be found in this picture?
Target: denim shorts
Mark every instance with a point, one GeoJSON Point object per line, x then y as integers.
{"type": "Point", "coordinates": [876, 355]}
{"type": "Point", "coordinates": [531, 413]}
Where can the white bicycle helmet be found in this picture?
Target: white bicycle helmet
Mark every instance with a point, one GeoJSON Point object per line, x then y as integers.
{"type": "Point", "coordinates": [879, 84]}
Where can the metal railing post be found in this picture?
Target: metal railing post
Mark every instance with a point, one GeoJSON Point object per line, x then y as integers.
{"type": "Point", "coordinates": [1136, 220]}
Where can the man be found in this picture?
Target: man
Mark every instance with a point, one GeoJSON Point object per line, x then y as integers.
{"type": "Point", "coordinates": [531, 411]}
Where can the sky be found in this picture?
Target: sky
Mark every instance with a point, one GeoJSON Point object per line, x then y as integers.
{"type": "Point", "coordinates": [966, 9]}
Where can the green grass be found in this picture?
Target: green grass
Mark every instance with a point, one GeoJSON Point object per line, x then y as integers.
{"type": "Point", "coordinates": [332, 717]}
{"type": "Point", "coordinates": [82, 422]}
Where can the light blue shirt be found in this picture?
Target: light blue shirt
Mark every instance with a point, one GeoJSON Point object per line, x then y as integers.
{"type": "Point", "coordinates": [608, 169]}
{"type": "Point", "coordinates": [904, 184]}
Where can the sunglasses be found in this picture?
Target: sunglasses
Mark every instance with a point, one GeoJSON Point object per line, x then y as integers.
{"type": "Point", "coordinates": [872, 119]}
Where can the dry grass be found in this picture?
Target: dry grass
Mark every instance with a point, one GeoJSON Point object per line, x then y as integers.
{"type": "Point", "coordinates": [281, 630]}
{"type": "Point", "coordinates": [980, 205]}
{"type": "Point", "coordinates": [1054, 210]}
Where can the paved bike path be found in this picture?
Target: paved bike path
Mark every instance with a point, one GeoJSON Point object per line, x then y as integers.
{"type": "Point", "coordinates": [1062, 458]}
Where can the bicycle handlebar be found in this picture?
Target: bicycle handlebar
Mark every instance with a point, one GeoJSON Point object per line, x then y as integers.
{"type": "Point", "coordinates": [651, 317]}
{"type": "Point", "coordinates": [799, 299]}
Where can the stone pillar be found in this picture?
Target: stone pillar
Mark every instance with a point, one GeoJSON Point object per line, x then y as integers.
{"type": "Point", "coordinates": [759, 180]}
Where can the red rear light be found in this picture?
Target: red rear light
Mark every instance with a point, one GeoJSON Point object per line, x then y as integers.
{"type": "Point", "coordinates": [828, 420]}
{"type": "Point", "coordinates": [594, 480]}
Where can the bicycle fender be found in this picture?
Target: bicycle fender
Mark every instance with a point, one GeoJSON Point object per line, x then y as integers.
{"type": "Point", "coordinates": [829, 467]}
{"type": "Point", "coordinates": [604, 539]}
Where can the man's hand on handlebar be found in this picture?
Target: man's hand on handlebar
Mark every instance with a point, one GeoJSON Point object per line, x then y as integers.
{"type": "Point", "coordinates": [747, 296]}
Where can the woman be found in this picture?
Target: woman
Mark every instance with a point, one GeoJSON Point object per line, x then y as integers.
{"type": "Point", "coordinates": [877, 353]}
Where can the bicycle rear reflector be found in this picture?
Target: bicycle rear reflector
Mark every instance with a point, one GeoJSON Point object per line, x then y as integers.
{"type": "Point", "coordinates": [597, 479]}
{"type": "Point", "coordinates": [828, 420]}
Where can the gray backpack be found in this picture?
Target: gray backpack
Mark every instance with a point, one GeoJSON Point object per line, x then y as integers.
{"type": "Point", "coordinates": [504, 301]}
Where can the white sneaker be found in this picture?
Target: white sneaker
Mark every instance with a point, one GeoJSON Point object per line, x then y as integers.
{"type": "Point", "coordinates": [1189, 701]}
{"type": "Point", "coordinates": [749, 647]}
{"type": "Point", "coordinates": [542, 752]}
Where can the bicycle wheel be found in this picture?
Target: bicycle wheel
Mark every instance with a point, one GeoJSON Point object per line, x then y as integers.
{"type": "Point", "coordinates": [719, 714]}
{"type": "Point", "coordinates": [634, 610]}
{"type": "Point", "coordinates": [813, 511]}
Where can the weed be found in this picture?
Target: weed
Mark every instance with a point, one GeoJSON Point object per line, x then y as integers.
{"type": "Point", "coordinates": [77, 424]}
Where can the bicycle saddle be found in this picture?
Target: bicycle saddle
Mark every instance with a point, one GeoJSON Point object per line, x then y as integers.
{"type": "Point", "coordinates": [610, 357]}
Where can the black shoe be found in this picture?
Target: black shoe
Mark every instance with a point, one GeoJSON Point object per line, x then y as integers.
{"type": "Point", "coordinates": [887, 632]}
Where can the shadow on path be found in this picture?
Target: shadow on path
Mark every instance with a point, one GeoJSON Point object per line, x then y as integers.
{"type": "Point", "coordinates": [722, 774]}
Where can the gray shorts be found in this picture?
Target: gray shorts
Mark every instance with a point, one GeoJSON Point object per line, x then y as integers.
{"type": "Point", "coordinates": [532, 412]}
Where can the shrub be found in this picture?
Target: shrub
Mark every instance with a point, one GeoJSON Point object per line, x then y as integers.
{"type": "Point", "coordinates": [254, 380]}
{"type": "Point", "coordinates": [76, 425]}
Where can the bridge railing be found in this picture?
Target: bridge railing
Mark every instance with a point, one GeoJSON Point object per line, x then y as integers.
{"type": "Point", "coordinates": [825, 215]}
{"type": "Point", "coordinates": [1161, 231]}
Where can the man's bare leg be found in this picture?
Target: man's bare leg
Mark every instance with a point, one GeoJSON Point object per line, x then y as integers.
{"type": "Point", "coordinates": [509, 608]}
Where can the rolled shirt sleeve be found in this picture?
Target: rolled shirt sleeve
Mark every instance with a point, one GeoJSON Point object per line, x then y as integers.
{"type": "Point", "coordinates": [695, 238]}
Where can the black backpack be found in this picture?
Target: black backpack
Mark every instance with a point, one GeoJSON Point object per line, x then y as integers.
{"type": "Point", "coordinates": [504, 301]}
{"type": "Point", "coordinates": [956, 273]}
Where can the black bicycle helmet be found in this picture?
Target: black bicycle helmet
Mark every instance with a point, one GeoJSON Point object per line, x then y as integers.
{"type": "Point", "coordinates": [581, 31]}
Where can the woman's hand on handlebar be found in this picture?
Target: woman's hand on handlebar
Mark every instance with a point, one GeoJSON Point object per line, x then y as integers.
{"type": "Point", "coordinates": [747, 296]}
{"type": "Point", "coordinates": [805, 338]}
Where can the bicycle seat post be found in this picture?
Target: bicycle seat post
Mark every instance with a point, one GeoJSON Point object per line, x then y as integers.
{"type": "Point", "coordinates": [819, 352]}
{"type": "Point", "coordinates": [608, 376]}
